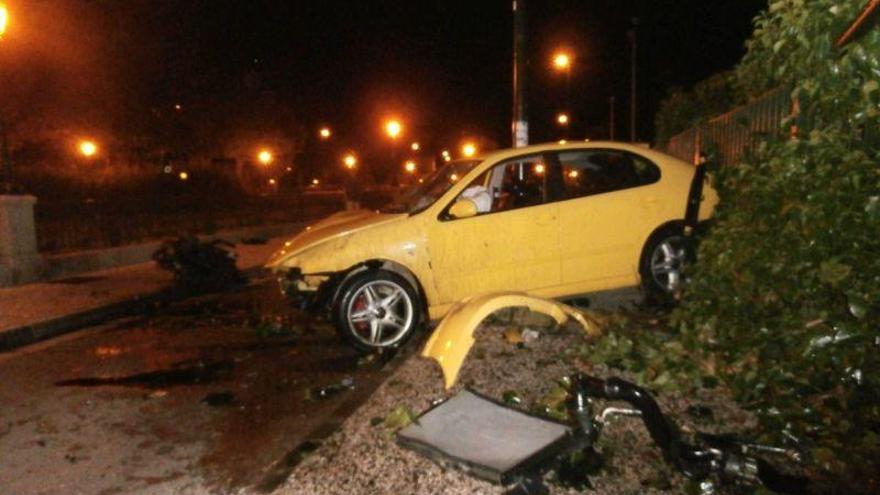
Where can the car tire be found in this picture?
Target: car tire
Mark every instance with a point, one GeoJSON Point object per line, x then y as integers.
{"type": "Point", "coordinates": [376, 310]}
{"type": "Point", "coordinates": [662, 265]}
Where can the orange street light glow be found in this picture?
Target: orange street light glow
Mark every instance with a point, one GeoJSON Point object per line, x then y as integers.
{"type": "Point", "coordinates": [265, 157]}
{"type": "Point", "coordinates": [410, 166]}
{"type": "Point", "coordinates": [4, 19]}
{"type": "Point", "coordinates": [183, 176]}
{"type": "Point", "coordinates": [88, 148]}
{"type": "Point", "coordinates": [573, 174]}
{"type": "Point", "coordinates": [393, 128]}
{"type": "Point", "coordinates": [325, 133]}
{"type": "Point", "coordinates": [350, 161]}
{"type": "Point", "coordinates": [539, 168]}
{"type": "Point", "coordinates": [315, 182]}
{"type": "Point", "coordinates": [469, 149]}
{"type": "Point", "coordinates": [562, 119]}
{"type": "Point", "coordinates": [561, 61]}
{"type": "Point", "coordinates": [272, 181]}
{"type": "Point", "coordinates": [415, 146]}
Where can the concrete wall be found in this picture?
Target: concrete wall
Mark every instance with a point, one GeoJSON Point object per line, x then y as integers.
{"type": "Point", "coordinates": [20, 262]}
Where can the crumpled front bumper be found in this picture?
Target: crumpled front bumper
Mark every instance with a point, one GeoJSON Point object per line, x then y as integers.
{"type": "Point", "coordinates": [308, 292]}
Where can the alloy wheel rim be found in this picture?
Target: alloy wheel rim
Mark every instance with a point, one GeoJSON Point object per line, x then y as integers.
{"type": "Point", "coordinates": [667, 262]}
{"type": "Point", "coordinates": [380, 313]}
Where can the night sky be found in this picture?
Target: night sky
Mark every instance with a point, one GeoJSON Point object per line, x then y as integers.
{"type": "Point", "coordinates": [443, 67]}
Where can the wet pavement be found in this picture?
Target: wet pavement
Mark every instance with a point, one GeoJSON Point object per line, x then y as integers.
{"type": "Point", "coordinates": [219, 394]}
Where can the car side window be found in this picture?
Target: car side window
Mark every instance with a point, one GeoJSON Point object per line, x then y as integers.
{"type": "Point", "coordinates": [591, 172]}
{"type": "Point", "coordinates": [510, 185]}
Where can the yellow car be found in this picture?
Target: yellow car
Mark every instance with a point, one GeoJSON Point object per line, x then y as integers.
{"type": "Point", "coordinates": [551, 220]}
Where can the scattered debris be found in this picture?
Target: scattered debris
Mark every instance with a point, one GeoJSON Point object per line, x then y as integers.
{"type": "Point", "coordinates": [511, 397]}
{"type": "Point", "coordinates": [513, 336]}
{"type": "Point", "coordinates": [201, 266]}
{"type": "Point", "coordinates": [529, 335]}
{"type": "Point", "coordinates": [320, 393]}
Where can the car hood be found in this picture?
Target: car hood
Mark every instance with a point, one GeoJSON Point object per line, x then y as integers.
{"type": "Point", "coordinates": [337, 225]}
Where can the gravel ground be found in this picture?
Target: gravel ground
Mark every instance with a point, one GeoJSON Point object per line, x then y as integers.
{"type": "Point", "coordinates": [363, 458]}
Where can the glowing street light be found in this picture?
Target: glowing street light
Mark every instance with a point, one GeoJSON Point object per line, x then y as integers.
{"type": "Point", "coordinates": [415, 146]}
{"type": "Point", "coordinates": [183, 176]}
{"type": "Point", "coordinates": [4, 19]}
{"type": "Point", "coordinates": [265, 157]}
{"type": "Point", "coordinates": [325, 133]}
{"type": "Point", "coordinates": [315, 182]}
{"type": "Point", "coordinates": [539, 168]}
{"type": "Point", "coordinates": [469, 149]}
{"type": "Point", "coordinates": [562, 61]}
{"type": "Point", "coordinates": [88, 148]}
{"type": "Point", "coordinates": [350, 161]}
{"type": "Point", "coordinates": [562, 118]}
{"type": "Point", "coordinates": [410, 167]}
{"type": "Point", "coordinates": [393, 128]}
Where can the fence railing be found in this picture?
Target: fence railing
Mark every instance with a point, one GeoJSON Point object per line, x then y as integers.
{"type": "Point", "coordinates": [728, 136]}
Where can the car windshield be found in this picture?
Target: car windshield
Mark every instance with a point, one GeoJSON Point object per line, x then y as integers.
{"type": "Point", "coordinates": [423, 194]}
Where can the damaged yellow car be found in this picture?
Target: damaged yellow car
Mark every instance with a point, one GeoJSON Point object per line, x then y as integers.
{"type": "Point", "coordinates": [552, 220]}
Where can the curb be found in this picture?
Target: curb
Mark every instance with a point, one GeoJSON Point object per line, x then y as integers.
{"type": "Point", "coordinates": [29, 334]}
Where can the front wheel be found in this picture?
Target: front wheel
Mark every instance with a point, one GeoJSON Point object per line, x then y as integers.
{"type": "Point", "coordinates": [376, 310]}
{"type": "Point", "coordinates": [662, 265]}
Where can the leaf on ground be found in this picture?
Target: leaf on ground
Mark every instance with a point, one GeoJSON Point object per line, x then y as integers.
{"type": "Point", "coordinates": [400, 417]}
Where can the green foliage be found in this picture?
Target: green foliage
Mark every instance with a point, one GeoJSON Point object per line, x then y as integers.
{"type": "Point", "coordinates": [681, 109]}
{"type": "Point", "coordinates": [786, 293]}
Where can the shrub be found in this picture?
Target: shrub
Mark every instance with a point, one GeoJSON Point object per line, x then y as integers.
{"type": "Point", "coordinates": [786, 293]}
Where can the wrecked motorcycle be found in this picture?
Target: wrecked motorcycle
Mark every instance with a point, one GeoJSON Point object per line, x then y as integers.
{"type": "Point", "coordinates": [712, 460]}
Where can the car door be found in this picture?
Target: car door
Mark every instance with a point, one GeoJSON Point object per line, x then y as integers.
{"type": "Point", "coordinates": [606, 217]}
{"type": "Point", "coordinates": [513, 245]}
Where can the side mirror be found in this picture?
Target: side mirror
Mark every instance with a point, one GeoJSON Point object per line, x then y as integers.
{"type": "Point", "coordinates": [463, 208]}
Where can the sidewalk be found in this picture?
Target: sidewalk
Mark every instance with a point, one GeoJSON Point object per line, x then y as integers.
{"type": "Point", "coordinates": [33, 312]}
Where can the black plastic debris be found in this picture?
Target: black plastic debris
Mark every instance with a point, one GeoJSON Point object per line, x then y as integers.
{"type": "Point", "coordinates": [325, 392]}
{"type": "Point", "coordinates": [201, 266]}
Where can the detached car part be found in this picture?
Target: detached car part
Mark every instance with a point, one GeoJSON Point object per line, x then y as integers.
{"type": "Point", "coordinates": [454, 336]}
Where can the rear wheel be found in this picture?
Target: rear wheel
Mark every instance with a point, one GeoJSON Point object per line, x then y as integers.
{"type": "Point", "coordinates": [662, 265]}
{"type": "Point", "coordinates": [377, 309]}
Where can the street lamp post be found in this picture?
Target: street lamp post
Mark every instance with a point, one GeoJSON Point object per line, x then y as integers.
{"type": "Point", "coordinates": [394, 129]}
{"type": "Point", "coordinates": [562, 62]}
{"type": "Point", "coordinates": [6, 182]}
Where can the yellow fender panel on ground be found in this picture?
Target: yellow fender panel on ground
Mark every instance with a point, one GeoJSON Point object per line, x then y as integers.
{"type": "Point", "coordinates": [454, 336]}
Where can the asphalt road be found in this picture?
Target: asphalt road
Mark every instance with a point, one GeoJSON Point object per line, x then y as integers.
{"type": "Point", "coordinates": [220, 394]}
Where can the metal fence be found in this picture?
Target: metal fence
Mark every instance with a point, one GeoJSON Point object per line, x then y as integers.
{"type": "Point", "coordinates": [728, 136]}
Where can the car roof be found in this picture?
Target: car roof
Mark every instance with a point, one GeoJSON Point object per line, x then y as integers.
{"type": "Point", "coordinates": [506, 153]}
